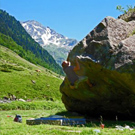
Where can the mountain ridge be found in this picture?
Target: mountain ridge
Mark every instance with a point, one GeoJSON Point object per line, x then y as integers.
{"type": "Point", "coordinates": [50, 39]}
{"type": "Point", "coordinates": [51, 35]}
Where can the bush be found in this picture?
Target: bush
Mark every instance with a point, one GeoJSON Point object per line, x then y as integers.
{"type": "Point", "coordinates": [130, 8]}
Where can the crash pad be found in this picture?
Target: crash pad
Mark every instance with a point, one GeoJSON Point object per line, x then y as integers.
{"type": "Point", "coordinates": [56, 120]}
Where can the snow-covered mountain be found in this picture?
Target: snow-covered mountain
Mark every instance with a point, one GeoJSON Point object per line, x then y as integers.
{"type": "Point", "coordinates": [56, 44]}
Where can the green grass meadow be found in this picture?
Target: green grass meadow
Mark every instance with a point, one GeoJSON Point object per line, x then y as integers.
{"type": "Point", "coordinates": [19, 77]}
{"type": "Point", "coordinates": [9, 127]}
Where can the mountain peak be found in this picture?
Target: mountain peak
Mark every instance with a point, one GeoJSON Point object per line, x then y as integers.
{"type": "Point", "coordinates": [45, 35]}
{"type": "Point", "coordinates": [56, 44]}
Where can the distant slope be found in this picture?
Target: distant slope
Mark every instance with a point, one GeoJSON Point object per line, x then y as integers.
{"type": "Point", "coordinates": [56, 44]}
{"type": "Point", "coordinates": [10, 27]}
{"type": "Point", "coordinates": [18, 77]}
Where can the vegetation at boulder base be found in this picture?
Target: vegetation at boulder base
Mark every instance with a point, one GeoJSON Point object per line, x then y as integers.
{"type": "Point", "coordinates": [23, 44]}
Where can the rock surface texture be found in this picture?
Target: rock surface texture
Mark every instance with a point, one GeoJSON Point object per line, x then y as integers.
{"type": "Point", "coordinates": [107, 57]}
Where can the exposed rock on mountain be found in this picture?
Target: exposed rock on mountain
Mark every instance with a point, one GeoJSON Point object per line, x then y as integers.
{"type": "Point", "coordinates": [107, 57]}
{"type": "Point", "coordinates": [56, 44]}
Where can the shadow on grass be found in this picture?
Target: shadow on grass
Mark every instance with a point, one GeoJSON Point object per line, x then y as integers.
{"type": "Point", "coordinates": [96, 121]}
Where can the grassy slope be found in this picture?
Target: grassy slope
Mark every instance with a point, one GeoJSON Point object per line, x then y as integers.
{"type": "Point", "coordinates": [17, 74]}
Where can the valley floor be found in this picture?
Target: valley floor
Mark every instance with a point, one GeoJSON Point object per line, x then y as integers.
{"type": "Point", "coordinates": [9, 127]}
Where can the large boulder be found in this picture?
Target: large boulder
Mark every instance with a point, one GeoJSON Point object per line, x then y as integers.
{"type": "Point", "coordinates": [107, 57]}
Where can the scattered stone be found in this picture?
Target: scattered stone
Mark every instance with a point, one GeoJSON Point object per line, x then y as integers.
{"type": "Point", "coordinates": [97, 131]}
{"type": "Point", "coordinates": [121, 128]}
{"type": "Point", "coordinates": [21, 100]}
{"type": "Point", "coordinates": [37, 70]}
{"type": "Point", "coordinates": [33, 81]}
{"type": "Point", "coordinates": [28, 100]}
{"type": "Point", "coordinates": [5, 101]}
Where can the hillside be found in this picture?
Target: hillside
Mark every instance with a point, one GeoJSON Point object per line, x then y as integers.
{"type": "Point", "coordinates": [19, 77]}
{"type": "Point", "coordinates": [32, 51]}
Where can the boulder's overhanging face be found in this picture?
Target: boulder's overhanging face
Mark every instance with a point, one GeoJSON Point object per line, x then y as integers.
{"type": "Point", "coordinates": [107, 57]}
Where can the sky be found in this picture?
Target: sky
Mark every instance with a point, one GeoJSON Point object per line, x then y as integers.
{"type": "Point", "coordinates": [71, 18]}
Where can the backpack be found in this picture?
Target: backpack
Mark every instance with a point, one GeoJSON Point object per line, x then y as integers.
{"type": "Point", "coordinates": [18, 118]}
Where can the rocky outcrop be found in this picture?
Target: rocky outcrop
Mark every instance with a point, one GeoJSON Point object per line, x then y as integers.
{"type": "Point", "coordinates": [107, 57]}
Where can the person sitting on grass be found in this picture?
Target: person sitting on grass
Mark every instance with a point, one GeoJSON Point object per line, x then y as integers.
{"type": "Point", "coordinates": [73, 78]}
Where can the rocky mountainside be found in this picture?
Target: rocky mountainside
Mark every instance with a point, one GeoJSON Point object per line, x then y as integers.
{"type": "Point", "coordinates": [56, 44]}
{"type": "Point", "coordinates": [107, 57]}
